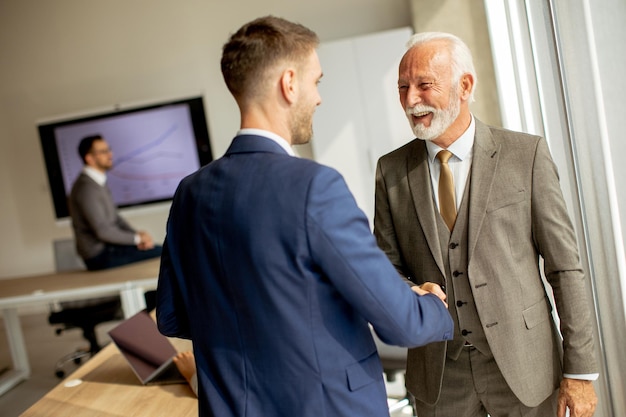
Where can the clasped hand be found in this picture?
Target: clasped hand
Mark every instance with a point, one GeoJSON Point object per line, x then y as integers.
{"type": "Point", "coordinates": [432, 288]}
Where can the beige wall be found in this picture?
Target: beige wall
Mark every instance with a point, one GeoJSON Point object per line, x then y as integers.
{"type": "Point", "coordinates": [60, 57]}
{"type": "Point", "coordinates": [465, 19]}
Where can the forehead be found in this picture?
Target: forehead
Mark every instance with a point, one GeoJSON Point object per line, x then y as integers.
{"type": "Point", "coordinates": [431, 59]}
{"type": "Point", "coordinates": [99, 144]}
{"type": "Point", "coordinates": [313, 63]}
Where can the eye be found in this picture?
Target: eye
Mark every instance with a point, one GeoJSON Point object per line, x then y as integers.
{"type": "Point", "coordinates": [425, 86]}
{"type": "Point", "coordinates": [402, 87]}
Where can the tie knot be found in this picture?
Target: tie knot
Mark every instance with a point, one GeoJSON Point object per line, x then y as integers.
{"type": "Point", "coordinates": [443, 156]}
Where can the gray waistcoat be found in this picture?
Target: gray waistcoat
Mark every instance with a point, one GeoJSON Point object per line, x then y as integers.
{"type": "Point", "coordinates": [467, 326]}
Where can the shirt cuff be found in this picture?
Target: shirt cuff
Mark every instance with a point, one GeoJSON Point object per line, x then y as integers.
{"type": "Point", "coordinates": [586, 377]}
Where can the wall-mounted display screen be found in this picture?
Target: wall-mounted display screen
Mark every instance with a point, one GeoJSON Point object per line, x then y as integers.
{"type": "Point", "coordinates": [154, 147]}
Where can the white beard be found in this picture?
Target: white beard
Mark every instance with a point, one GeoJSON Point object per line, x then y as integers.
{"type": "Point", "coordinates": [442, 119]}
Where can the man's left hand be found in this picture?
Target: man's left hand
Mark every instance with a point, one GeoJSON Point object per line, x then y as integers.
{"type": "Point", "coordinates": [579, 396]}
{"type": "Point", "coordinates": [146, 242]}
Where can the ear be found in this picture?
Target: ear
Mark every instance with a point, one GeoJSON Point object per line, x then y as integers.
{"type": "Point", "coordinates": [466, 84]}
{"type": "Point", "coordinates": [89, 159]}
{"type": "Point", "coordinates": [288, 85]}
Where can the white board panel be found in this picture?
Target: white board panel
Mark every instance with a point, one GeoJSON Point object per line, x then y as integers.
{"type": "Point", "coordinates": [360, 118]}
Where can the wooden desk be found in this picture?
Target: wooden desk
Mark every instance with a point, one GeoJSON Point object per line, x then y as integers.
{"type": "Point", "coordinates": [129, 282]}
{"type": "Point", "coordinates": [109, 388]}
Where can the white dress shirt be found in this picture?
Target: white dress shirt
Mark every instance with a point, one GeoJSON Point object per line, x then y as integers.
{"type": "Point", "coordinates": [270, 135]}
{"type": "Point", "coordinates": [460, 163]}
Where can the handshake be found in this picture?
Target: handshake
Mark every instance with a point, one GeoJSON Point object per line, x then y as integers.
{"type": "Point", "coordinates": [430, 288]}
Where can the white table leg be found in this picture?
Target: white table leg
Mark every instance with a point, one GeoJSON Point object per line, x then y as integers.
{"type": "Point", "coordinates": [17, 347]}
{"type": "Point", "coordinates": [133, 300]}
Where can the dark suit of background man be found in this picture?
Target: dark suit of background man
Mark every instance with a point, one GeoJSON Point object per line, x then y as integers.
{"type": "Point", "coordinates": [504, 359]}
{"type": "Point", "coordinates": [103, 238]}
{"type": "Point", "coordinates": [269, 266]}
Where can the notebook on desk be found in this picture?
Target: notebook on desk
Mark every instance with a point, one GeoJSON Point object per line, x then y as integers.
{"type": "Point", "coordinates": [148, 352]}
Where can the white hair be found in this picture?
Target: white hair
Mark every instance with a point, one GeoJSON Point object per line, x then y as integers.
{"type": "Point", "coordinates": [462, 62]}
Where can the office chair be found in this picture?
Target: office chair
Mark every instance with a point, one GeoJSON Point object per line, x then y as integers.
{"type": "Point", "coordinates": [81, 314]}
{"type": "Point", "coordinates": [393, 359]}
{"type": "Point", "coordinates": [84, 315]}
{"type": "Point", "coordinates": [150, 297]}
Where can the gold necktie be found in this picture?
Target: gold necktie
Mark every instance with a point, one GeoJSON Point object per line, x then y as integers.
{"type": "Point", "coordinates": [447, 206]}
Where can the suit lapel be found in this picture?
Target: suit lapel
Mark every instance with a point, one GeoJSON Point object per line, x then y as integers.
{"type": "Point", "coordinates": [484, 164]}
{"type": "Point", "coordinates": [421, 193]}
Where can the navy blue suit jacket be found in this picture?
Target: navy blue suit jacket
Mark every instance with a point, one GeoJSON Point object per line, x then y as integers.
{"type": "Point", "coordinates": [271, 269]}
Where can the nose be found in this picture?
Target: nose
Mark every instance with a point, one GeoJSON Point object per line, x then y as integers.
{"type": "Point", "coordinates": [413, 96]}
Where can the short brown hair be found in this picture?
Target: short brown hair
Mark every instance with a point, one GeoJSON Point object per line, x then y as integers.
{"type": "Point", "coordinates": [259, 44]}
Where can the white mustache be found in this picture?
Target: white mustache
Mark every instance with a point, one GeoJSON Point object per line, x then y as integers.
{"type": "Point", "coordinates": [420, 110]}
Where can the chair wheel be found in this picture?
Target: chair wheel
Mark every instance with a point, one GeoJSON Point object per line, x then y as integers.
{"type": "Point", "coordinates": [60, 374]}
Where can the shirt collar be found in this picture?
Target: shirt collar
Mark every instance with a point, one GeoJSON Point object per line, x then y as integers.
{"type": "Point", "coordinates": [460, 148]}
{"type": "Point", "coordinates": [270, 135]}
{"type": "Point", "coordinates": [99, 177]}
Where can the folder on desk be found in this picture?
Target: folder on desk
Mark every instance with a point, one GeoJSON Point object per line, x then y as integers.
{"type": "Point", "coordinates": [148, 352]}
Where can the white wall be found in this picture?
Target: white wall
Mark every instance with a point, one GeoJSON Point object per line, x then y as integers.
{"type": "Point", "coordinates": [363, 119]}
{"type": "Point", "coordinates": [65, 56]}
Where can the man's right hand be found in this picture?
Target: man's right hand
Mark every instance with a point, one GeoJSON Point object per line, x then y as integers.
{"type": "Point", "coordinates": [432, 288]}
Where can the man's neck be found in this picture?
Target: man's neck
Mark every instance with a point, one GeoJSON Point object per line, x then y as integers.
{"type": "Point", "coordinates": [95, 174]}
{"type": "Point", "coordinates": [266, 117]}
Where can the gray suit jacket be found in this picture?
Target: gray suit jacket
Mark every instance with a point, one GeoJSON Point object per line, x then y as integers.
{"type": "Point", "coordinates": [516, 214]}
{"type": "Point", "coordinates": [95, 219]}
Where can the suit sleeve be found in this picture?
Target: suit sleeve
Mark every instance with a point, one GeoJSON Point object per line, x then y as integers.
{"type": "Point", "coordinates": [556, 241]}
{"type": "Point", "coordinates": [345, 249]}
{"type": "Point", "coordinates": [384, 230]}
{"type": "Point", "coordinates": [171, 309]}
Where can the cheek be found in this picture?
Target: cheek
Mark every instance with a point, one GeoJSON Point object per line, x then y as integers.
{"type": "Point", "coordinates": [402, 98]}
{"type": "Point", "coordinates": [439, 97]}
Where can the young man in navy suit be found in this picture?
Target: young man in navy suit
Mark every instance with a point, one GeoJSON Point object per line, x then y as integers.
{"type": "Point", "coordinates": [269, 266]}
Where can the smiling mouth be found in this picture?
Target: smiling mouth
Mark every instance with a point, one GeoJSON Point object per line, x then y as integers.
{"type": "Point", "coordinates": [417, 117]}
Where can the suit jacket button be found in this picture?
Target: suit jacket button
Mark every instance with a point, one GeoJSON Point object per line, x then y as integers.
{"type": "Point", "coordinates": [453, 245]}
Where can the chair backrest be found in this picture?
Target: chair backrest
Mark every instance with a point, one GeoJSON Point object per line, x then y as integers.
{"type": "Point", "coordinates": [65, 256]}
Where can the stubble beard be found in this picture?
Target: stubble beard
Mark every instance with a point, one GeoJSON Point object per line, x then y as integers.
{"type": "Point", "coordinates": [302, 126]}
